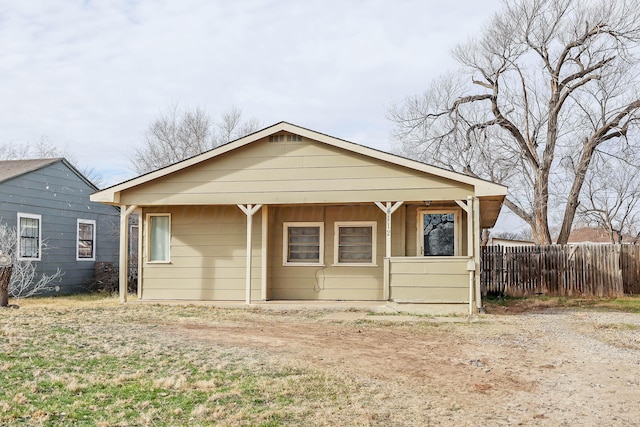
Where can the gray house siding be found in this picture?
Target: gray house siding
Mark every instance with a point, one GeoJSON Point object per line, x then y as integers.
{"type": "Point", "coordinates": [61, 197]}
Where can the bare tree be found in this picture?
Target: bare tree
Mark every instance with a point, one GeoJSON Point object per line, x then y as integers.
{"type": "Point", "coordinates": [25, 281]}
{"type": "Point", "coordinates": [44, 149]}
{"type": "Point", "coordinates": [546, 81]}
{"type": "Point", "coordinates": [180, 134]}
{"type": "Point", "coordinates": [611, 196]}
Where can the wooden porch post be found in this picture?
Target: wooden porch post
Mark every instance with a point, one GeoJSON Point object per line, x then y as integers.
{"type": "Point", "coordinates": [264, 266]}
{"type": "Point", "coordinates": [388, 208]}
{"type": "Point", "coordinates": [123, 261]}
{"type": "Point", "coordinates": [471, 266]}
{"type": "Point", "coordinates": [249, 211]}
{"type": "Point", "coordinates": [476, 250]}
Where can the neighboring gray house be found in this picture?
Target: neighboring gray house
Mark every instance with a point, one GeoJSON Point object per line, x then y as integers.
{"type": "Point", "coordinates": [58, 226]}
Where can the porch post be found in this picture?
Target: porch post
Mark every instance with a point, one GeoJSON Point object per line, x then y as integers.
{"type": "Point", "coordinates": [264, 266]}
{"type": "Point", "coordinates": [249, 211]}
{"type": "Point", "coordinates": [123, 261]}
{"type": "Point", "coordinates": [476, 250]}
{"type": "Point", "coordinates": [388, 208]}
{"type": "Point", "coordinates": [471, 265]}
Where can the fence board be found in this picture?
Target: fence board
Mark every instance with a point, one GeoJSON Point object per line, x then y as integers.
{"type": "Point", "coordinates": [602, 270]}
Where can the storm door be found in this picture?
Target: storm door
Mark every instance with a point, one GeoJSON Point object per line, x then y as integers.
{"type": "Point", "coordinates": [438, 233]}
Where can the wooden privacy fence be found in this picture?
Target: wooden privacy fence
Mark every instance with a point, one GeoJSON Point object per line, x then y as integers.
{"type": "Point", "coordinates": [601, 270]}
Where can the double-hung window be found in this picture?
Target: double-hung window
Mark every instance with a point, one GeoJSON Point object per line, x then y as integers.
{"type": "Point", "coordinates": [159, 241]}
{"type": "Point", "coordinates": [29, 237]}
{"type": "Point", "coordinates": [303, 243]}
{"type": "Point", "coordinates": [355, 243]}
{"type": "Point", "coordinates": [86, 240]}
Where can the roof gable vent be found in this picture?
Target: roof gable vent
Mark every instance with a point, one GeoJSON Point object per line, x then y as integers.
{"type": "Point", "coordinates": [285, 137]}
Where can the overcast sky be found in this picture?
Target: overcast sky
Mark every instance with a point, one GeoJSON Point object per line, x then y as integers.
{"type": "Point", "coordinates": [90, 76]}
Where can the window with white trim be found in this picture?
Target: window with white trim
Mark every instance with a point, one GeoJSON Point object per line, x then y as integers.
{"type": "Point", "coordinates": [355, 243]}
{"type": "Point", "coordinates": [86, 240]}
{"type": "Point", "coordinates": [29, 236]}
{"type": "Point", "coordinates": [159, 241]}
{"type": "Point", "coordinates": [438, 232]}
{"type": "Point", "coordinates": [303, 243]}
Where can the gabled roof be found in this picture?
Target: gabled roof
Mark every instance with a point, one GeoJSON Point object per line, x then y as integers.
{"type": "Point", "coordinates": [10, 169]}
{"type": "Point", "coordinates": [482, 187]}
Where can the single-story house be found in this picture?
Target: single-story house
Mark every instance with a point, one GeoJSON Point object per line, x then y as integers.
{"type": "Point", "coordinates": [288, 213]}
{"type": "Point", "coordinates": [57, 226]}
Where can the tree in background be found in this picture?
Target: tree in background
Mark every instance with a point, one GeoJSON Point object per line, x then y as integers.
{"type": "Point", "coordinates": [43, 149]}
{"type": "Point", "coordinates": [611, 196]}
{"type": "Point", "coordinates": [183, 133]}
{"type": "Point", "coordinates": [24, 280]}
{"type": "Point", "coordinates": [546, 91]}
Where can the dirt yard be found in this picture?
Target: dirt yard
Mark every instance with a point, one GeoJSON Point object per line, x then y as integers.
{"type": "Point", "coordinates": [553, 368]}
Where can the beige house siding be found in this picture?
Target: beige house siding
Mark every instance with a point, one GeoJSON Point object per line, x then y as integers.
{"type": "Point", "coordinates": [208, 255]}
{"type": "Point", "coordinates": [329, 281]}
{"type": "Point", "coordinates": [291, 173]}
{"type": "Point", "coordinates": [285, 174]}
{"type": "Point", "coordinates": [437, 279]}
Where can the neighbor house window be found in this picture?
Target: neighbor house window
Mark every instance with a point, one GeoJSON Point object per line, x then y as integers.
{"type": "Point", "coordinates": [29, 236]}
{"type": "Point", "coordinates": [86, 240]}
{"type": "Point", "coordinates": [159, 237]}
{"type": "Point", "coordinates": [438, 233]}
{"type": "Point", "coordinates": [303, 243]}
{"type": "Point", "coordinates": [355, 243]}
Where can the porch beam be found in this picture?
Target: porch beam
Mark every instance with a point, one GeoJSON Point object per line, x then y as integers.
{"type": "Point", "coordinates": [123, 261]}
{"type": "Point", "coordinates": [465, 206]}
{"type": "Point", "coordinates": [249, 211]}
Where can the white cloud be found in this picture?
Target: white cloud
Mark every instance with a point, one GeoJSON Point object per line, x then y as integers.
{"type": "Point", "coordinates": [92, 75]}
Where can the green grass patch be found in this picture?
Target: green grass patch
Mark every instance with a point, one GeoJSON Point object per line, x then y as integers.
{"type": "Point", "coordinates": [496, 305]}
{"type": "Point", "coordinates": [77, 364]}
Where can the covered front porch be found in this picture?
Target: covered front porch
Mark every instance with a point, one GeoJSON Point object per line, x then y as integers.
{"type": "Point", "coordinates": [399, 271]}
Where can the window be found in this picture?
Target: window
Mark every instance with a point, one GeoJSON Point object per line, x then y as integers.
{"type": "Point", "coordinates": [355, 243]}
{"type": "Point", "coordinates": [86, 240]}
{"type": "Point", "coordinates": [159, 237]}
{"type": "Point", "coordinates": [29, 237]}
{"type": "Point", "coordinates": [303, 243]}
{"type": "Point", "coordinates": [438, 232]}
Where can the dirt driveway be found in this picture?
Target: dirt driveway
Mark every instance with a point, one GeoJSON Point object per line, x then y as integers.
{"type": "Point", "coordinates": [554, 368]}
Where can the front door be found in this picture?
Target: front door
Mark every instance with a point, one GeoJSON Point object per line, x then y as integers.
{"type": "Point", "coordinates": [437, 233]}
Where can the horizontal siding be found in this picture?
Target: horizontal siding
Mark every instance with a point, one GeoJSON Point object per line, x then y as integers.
{"type": "Point", "coordinates": [438, 279]}
{"type": "Point", "coordinates": [301, 172]}
{"type": "Point", "coordinates": [208, 255]}
{"type": "Point", "coordinates": [61, 198]}
{"type": "Point", "coordinates": [329, 295]}
{"type": "Point", "coordinates": [328, 282]}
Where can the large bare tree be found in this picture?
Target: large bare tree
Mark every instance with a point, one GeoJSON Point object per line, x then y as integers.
{"type": "Point", "coordinates": [611, 195]}
{"type": "Point", "coordinates": [182, 133]}
{"type": "Point", "coordinates": [545, 87]}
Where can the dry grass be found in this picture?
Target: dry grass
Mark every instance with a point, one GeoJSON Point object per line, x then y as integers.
{"type": "Point", "coordinates": [91, 361]}
{"type": "Point", "coordinates": [77, 361]}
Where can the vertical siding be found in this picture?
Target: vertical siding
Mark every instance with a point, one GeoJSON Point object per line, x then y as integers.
{"type": "Point", "coordinates": [61, 197]}
{"type": "Point", "coordinates": [208, 255]}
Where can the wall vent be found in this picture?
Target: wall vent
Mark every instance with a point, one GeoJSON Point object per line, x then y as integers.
{"type": "Point", "coordinates": [289, 137]}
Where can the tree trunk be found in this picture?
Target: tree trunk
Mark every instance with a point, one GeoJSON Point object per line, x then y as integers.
{"type": "Point", "coordinates": [5, 278]}
{"type": "Point", "coordinates": [540, 230]}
